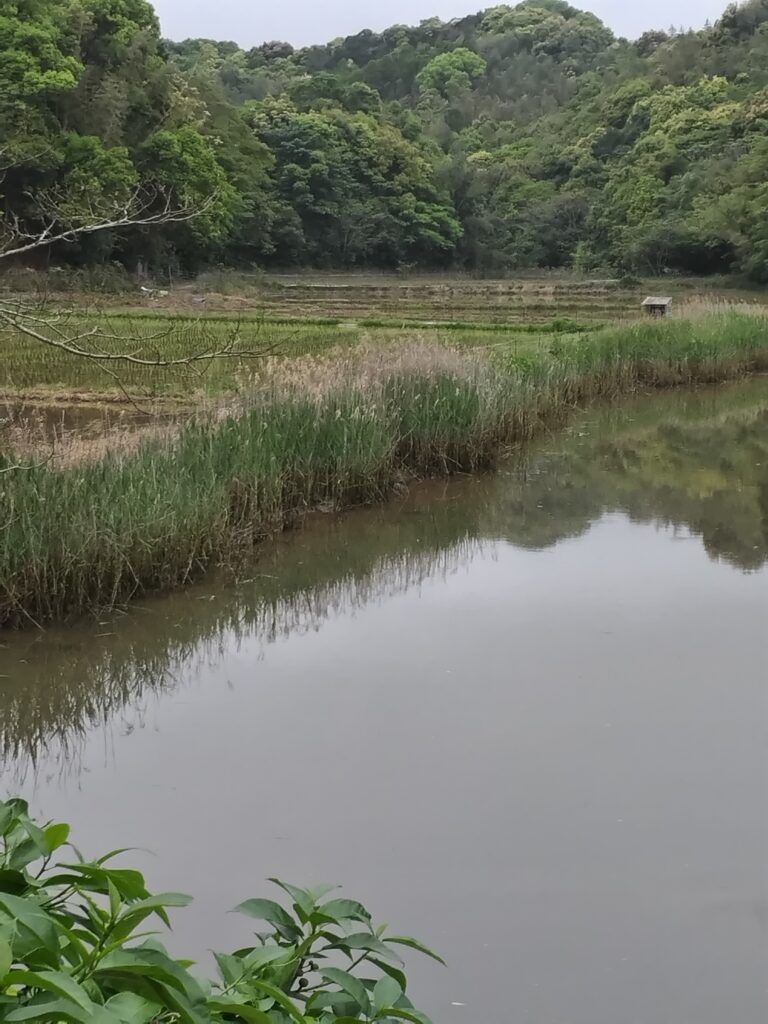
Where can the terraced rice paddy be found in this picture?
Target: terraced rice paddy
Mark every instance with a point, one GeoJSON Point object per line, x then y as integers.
{"type": "Point", "coordinates": [291, 316]}
{"type": "Point", "coordinates": [498, 302]}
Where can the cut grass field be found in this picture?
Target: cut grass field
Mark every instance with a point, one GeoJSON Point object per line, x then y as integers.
{"type": "Point", "coordinates": [336, 429]}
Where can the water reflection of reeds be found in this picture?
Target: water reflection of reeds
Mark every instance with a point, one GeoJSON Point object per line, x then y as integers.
{"type": "Point", "coordinates": [58, 687]}
{"type": "Point", "coordinates": [696, 461]}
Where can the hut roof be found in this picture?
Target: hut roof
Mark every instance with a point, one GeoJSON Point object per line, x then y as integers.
{"type": "Point", "coordinates": [656, 300]}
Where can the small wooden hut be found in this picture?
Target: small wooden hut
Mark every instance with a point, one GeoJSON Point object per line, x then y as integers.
{"type": "Point", "coordinates": [656, 305]}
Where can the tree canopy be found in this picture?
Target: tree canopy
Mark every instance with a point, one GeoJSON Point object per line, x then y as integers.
{"type": "Point", "coordinates": [522, 136]}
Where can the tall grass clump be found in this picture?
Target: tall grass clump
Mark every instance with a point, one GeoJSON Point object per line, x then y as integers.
{"type": "Point", "coordinates": [621, 360]}
{"type": "Point", "coordinates": [80, 535]}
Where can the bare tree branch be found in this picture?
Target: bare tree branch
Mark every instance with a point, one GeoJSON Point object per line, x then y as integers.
{"type": "Point", "coordinates": [34, 326]}
{"type": "Point", "coordinates": [58, 219]}
{"type": "Point", "coordinates": [144, 207]}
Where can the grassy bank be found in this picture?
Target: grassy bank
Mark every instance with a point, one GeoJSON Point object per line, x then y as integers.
{"type": "Point", "coordinates": [340, 431]}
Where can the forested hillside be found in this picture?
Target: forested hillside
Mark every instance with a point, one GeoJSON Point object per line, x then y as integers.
{"type": "Point", "coordinates": [518, 137]}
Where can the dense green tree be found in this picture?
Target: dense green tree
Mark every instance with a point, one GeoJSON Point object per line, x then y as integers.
{"type": "Point", "coordinates": [452, 73]}
{"type": "Point", "coordinates": [359, 191]}
{"type": "Point", "coordinates": [37, 62]}
{"type": "Point", "coordinates": [525, 135]}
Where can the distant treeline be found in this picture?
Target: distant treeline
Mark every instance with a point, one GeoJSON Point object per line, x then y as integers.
{"type": "Point", "coordinates": [519, 137]}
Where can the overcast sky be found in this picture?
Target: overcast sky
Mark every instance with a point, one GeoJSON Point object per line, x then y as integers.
{"type": "Point", "coordinates": [300, 22]}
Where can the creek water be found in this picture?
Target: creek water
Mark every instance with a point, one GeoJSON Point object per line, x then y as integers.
{"type": "Point", "coordinates": [523, 717]}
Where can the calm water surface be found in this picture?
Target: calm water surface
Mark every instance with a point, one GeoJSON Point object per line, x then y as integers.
{"type": "Point", "coordinates": [524, 717]}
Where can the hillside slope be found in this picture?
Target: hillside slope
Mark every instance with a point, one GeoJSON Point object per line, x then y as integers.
{"type": "Point", "coordinates": [517, 137]}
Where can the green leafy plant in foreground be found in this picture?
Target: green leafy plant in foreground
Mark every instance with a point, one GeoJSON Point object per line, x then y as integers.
{"type": "Point", "coordinates": [76, 945]}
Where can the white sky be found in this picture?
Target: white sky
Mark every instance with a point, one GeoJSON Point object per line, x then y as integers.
{"type": "Point", "coordinates": [250, 22]}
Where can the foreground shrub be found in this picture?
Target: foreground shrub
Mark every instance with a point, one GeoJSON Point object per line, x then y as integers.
{"type": "Point", "coordinates": [74, 947]}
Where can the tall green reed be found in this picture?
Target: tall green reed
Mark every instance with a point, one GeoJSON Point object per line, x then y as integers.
{"type": "Point", "coordinates": [78, 537]}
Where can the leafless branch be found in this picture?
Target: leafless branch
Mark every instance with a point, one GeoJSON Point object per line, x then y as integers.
{"type": "Point", "coordinates": [58, 219]}
{"type": "Point", "coordinates": [144, 207]}
{"type": "Point", "coordinates": [47, 331]}
{"type": "Point", "coordinates": [21, 467]}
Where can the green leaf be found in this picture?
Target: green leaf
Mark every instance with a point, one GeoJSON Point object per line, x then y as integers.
{"type": "Point", "coordinates": [279, 997]}
{"type": "Point", "coordinates": [26, 853]}
{"type": "Point", "coordinates": [135, 913]}
{"type": "Point", "coordinates": [155, 905]}
{"type": "Point", "coordinates": [132, 1009]}
{"type": "Point", "coordinates": [386, 992]}
{"type": "Point", "coordinates": [163, 899]}
{"type": "Point", "coordinates": [301, 897]}
{"type": "Point", "coordinates": [55, 836]}
{"type": "Point", "coordinates": [150, 963]}
{"type": "Point", "coordinates": [365, 940]}
{"type": "Point", "coordinates": [414, 1016]}
{"type": "Point", "coordinates": [391, 972]}
{"type": "Point", "coordinates": [261, 956]}
{"type": "Point", "coordinates": [318, 891]}
{"type": "Point", "coordinates": [344, 910]}
{"type": "Point", "coordinates": [44, 1009]}
{"type": "Point", "coordinates": [230, 967]}
{"type": "Point", "coordinates": [56, 982]}
{"type": "Point", "coordinates": [183, 1009]}
{"type": "Point", "coordinates": [232, 1008]}
{"type": "Point", "coordinates": [151, 974]}
{"type": "Point", "coordinates": [19, 808]}
{"type": "Point", "coordinates": [274, 914]}
{"type": "Point", "coordinates": [112, 854]}
{"type": "Point", "coordinates": [24, 844]}
{"type": "Point", "coordinates": [405, 940]}
{"type": "Point", "coordinates": [6, 817]}
{"type": "Point", "coordinates": [36, 934]}
{"type": "Point", "coordinates": [6, 959]}
{"type": "Point", "coordinates": [37, 836]}
{"type": "Point", "coordinates": [103, 1015]}
{"type": "Point", "coordinates": [114, 900]}
{"type": "Point", "coordinates": [341, 1003]}
{"type": "Point", "coordinates": [14, 882]}
{"type": "Point", "coordinates": [75, 950]}
{"type": "Point", "coordinates": [322, 999]}
{"type": "Point", "coordinates": [350, 984]}
{"type": "Point", "coordinates": [130, 884]}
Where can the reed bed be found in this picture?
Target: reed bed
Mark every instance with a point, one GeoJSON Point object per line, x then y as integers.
{"type": "Point", "coordinates": [702, 307]}
{"type": "Point", "coordinates": [321, 431]}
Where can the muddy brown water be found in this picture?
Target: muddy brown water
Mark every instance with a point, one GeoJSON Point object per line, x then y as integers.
{"type": "Point", "coordinates": [522, 716]}
{"type": "Point", "coordinates": [52, 420]}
